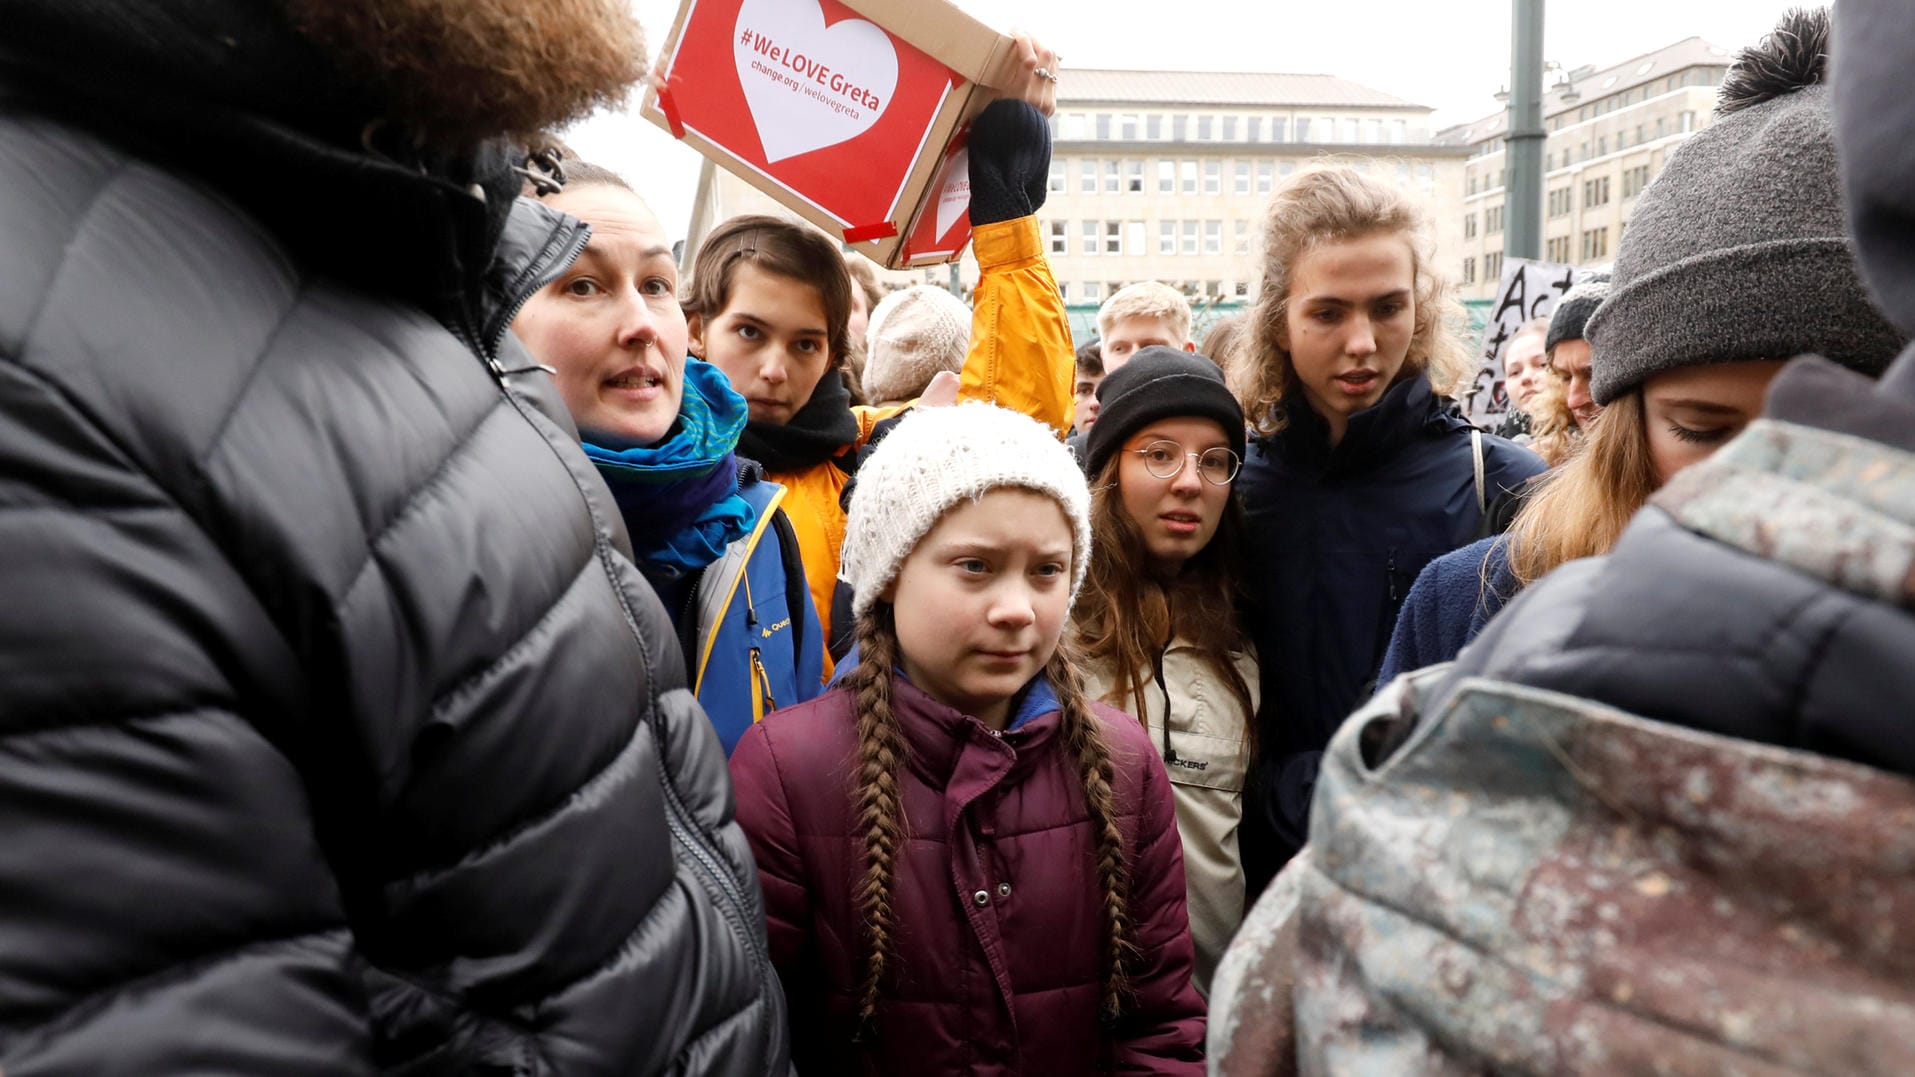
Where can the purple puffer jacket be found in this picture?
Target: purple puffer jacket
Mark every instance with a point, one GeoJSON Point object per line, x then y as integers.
{"type": "Point", "coordinates": [997, 959]}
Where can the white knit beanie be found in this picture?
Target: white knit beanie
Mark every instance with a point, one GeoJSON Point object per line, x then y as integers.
{"type": "Point", "coordinates": [937, 457]}
{"type": "Point", "coordinates": [912, 335]}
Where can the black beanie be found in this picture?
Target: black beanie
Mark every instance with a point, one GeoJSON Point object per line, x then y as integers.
{"type": "Point", "coordinates": [1572, 311]}
{"type": "Point", "coordinates": [1160, 383]}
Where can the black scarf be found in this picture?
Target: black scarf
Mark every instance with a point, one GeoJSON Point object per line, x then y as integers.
{"type": "Point", "coordinates": [820, 431]}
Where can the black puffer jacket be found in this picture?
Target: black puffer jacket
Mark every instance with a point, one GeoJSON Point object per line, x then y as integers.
{"type": "Point", "coordinates": [336, 733]}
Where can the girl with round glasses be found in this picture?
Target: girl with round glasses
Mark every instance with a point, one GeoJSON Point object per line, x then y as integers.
{"type": "Point", "coordinates": [1161, 616]}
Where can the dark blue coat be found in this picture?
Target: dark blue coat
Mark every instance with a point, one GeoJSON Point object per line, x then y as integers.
{"type": "Point", "coordinates": [1451, 601]}
{"type": "Point", "coordinates": [1336, 538]}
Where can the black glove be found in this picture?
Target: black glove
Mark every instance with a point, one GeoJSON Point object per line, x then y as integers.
{"type": "Point", "coordinates": [1010, 161]}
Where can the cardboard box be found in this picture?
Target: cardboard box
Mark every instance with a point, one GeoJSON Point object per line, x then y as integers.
{"type": "Point", "coordinates": [851, 113]}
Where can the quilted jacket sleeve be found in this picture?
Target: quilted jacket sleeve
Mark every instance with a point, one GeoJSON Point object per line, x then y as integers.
{"type": "Point", "coordinates": [1021, 356]}
{"type": "Point", "coordinates": [1163, 1027]}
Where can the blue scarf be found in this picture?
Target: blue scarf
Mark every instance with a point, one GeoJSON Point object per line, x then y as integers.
{"type": "Point", "coordinates": [680, 497]}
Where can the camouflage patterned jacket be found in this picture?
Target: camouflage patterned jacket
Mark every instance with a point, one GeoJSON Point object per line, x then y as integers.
{"type": "Point", "coordinates": [1503, 875]}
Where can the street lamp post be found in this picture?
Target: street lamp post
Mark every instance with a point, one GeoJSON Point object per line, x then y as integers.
{"type": "Point", "coordinates": [1523, 193]}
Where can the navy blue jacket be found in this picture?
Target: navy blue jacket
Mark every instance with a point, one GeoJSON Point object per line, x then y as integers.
{"type": "Point", "coordinates": [1451, 601]}
{"type": "Point", "coordinates": [1336, 537]}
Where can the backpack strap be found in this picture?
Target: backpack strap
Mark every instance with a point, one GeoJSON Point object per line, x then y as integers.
{"type": "Point", "coordinates": [797, 588]}
{"type": "Point", "coordinates": [1476, 450]}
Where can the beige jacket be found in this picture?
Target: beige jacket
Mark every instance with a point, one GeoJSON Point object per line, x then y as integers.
{"type": "Point", "coordinates": [1207, 761]}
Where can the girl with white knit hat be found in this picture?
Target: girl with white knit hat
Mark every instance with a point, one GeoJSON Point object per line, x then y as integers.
{"type": "Point", "coordinates": [967, 863]}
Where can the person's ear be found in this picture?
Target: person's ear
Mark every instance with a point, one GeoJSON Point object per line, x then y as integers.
{"type": "Point", "coordinates": [695, 335]}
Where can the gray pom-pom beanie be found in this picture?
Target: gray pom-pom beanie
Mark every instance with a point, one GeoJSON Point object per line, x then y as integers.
{"type": "Point", "coordinates": [1739, 249]}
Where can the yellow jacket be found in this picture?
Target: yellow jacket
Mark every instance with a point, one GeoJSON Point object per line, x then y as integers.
{"type": "Point", "coordinates": [1020, 358]}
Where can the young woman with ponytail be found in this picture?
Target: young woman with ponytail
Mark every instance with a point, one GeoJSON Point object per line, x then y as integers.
{"type": "Point", "coordinates": [967, 863]}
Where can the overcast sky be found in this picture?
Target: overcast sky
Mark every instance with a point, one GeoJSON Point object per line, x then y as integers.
{"type": "Point", "coordinates": [1450, 56]}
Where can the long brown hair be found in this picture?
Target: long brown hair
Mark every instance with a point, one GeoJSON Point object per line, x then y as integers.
{"type": "Point", "coordinates": [1581, 508]}
{"type": "Point", "coordinates": [1319, 206]}
{"type": "Point", "coordinates": [775, 245]}
{"type": "Point", "coordinates": [879, 805]}
{"type": "Point", "coordinates": [1126, 614]}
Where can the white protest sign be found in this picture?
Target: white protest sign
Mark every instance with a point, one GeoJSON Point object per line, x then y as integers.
{"type": "Point", "coordinates": [809, 85]}
{"type": "Point", "coordinates": [954, 190]}
{"type": "Point", "coordinates": [1528, 290]}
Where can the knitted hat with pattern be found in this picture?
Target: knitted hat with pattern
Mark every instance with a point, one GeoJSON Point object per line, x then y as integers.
{"type": "Point", "coordinates": [1739, 249]}
{"type": "Point", "coordinates": [937, 457]}
{"type": "Point", "coordinates": [912, 335]}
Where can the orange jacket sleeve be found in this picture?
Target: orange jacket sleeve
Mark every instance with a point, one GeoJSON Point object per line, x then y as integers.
{"type": "Point", "coordinates": [1021, 356]}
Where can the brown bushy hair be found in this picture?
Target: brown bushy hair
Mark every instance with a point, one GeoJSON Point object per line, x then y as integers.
{"type": "Point", "coordinates": [879, 805]}
{"type": "Point", "coordinates": [1581, 508]}
{"type": "Point", "coordinates": [1551, 423]}
{"type": "Point", "coordinates": [778, 245]}
{"type": "Point", "coordinates": [1321, 206]}
{"type": "Point", "coordinates": [1126, 613]}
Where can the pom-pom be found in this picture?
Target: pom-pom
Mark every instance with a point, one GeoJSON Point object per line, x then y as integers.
{"type": "Point", "coordinates": [1793, 55]}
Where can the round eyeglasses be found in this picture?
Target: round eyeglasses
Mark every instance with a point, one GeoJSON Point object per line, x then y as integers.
{"type": "Point", "coordinates": [1165, 459]}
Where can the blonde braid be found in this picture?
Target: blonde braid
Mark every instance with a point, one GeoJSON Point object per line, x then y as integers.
{"type": "Point", "coordinates": [1086, 743]}
{"type": "Point", "coordinates": [880, 806]}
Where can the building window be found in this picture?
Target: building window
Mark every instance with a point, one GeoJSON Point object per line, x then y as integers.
{"type": "Point", "coordinates": [1166, 177]}
{"type": "Point", "coordinates": [1113, 237]}
{"type": "Point", "coordinates": [1634, 180]}
{"type": "Point", "coordinates": [1241, 171]}
{"type": "Point", "coordinates": [1058, 169]}
{"type": "Point", "coordinates": [1253, 129]}
{"type": "Point", "coordinates": [1279, 127]}
{"type": "Point", "coordinates": [1213, 237]}
{"type": "Point", "coordinates": [1154, 126]}
{"type": "Point", "coordinates": [1596, 192]}
{"type": "Point", "coordinates": [1230, 128]}
{"type": "Point", "coordinates": [1127, 127]}
{"type": "Point", "coordinates": [1595, 244]}
{"type": "Point", "coordinates": [1399, 132]}
{"type": "Point", "coordinates": [1469, 226]}
{"type": "Point", "coordinates": [1493, 266]}
{"type": "Point", "coordinates": [1265, 181]}
{"type": "Point", "coordinates": [1179, 127]}
{"type": "Point", "coordinates": [1093, 291]}
{"type": "Point", "coordinates": [1560, 202]}
{"type": "Point", "coordinates": [1559, 249]}
{"type": "Point", "coordinates": [1213, 177]}
{"type": "Point", "coordinates": [1602, 145]}
{"type": "Point", "coordinates": [1303, 129]}
{"type": "Point", "coordinates": [1376, 132]}
{"type": "Point", "coordinates": [1113, 177]}
{"type": "Point", "coordinates": [1134, 177]}
{"type": "Point", "coordinates": [1688, 122]}
{"type": "Point", "coordinates": [1188, 170]}
{"type": "Point", "coordinates": [1242, 288]}
{"type": "Point", "coordinates": [1090, 238]}
{"type": "Point", "coordinates": [1134, 238]}
{"type": "Point", "coordinates": [1076, 125]}
{"type": "Point", "coordinates": [1240, 244]}
{"type": "Point", "coordinates": [1060, 237]}
{"type": "Point", "coordinates": [1206, 128]}
{"type": "Point", "coordinates": [1286, 168]}
{"type": "Point", "coordinates": [1190, 237]}
{"type": "Point", "coordinates": [1166, 237]}
{"type": "Point", "coordinates": [1213, 288]}
{"type": "Point", "coordinates": [1493, 220]}
{"type": "Point", "coordinates": [1087, 177]}
{"type": "Point", "coordinates": [1469, 271]}
{"type": "Point", "coordinates": [1103, 127]}
{"type": "Point", "coordinates": [1064, 290]}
